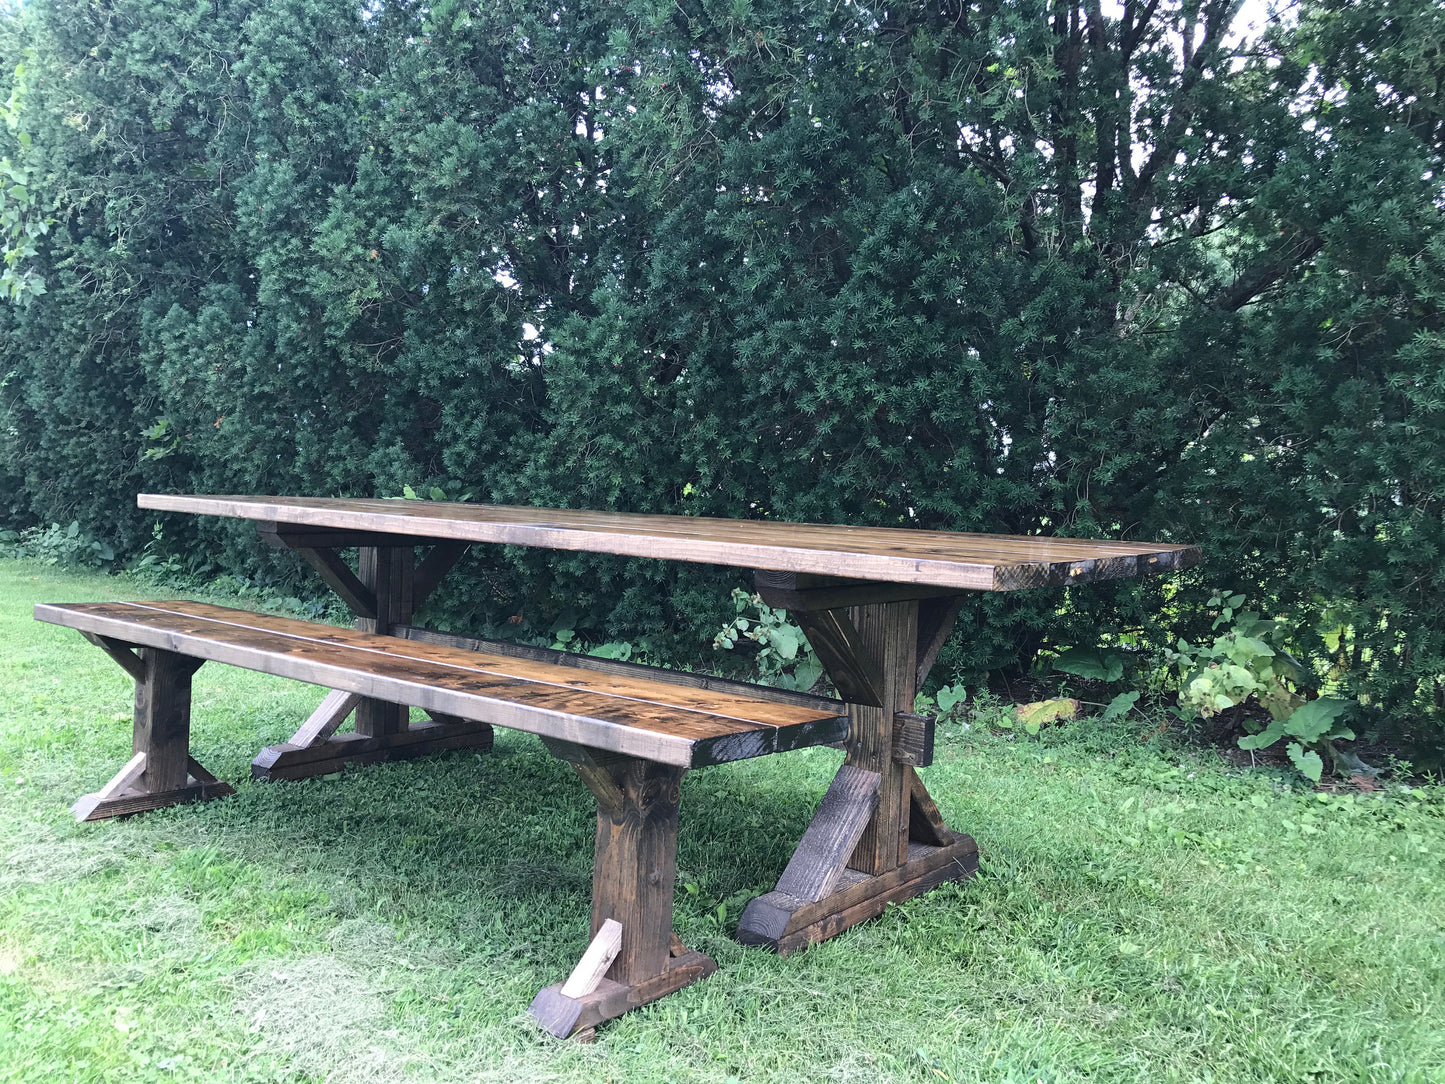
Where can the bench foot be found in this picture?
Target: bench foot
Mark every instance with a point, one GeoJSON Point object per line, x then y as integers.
{"type": "Point", "coordinates": [566, 1017]}
{"type": "Point", "coordinates": [785, 923]}
{"type": "Point", "coordinates": [126, 792]}
{"type": "Point", "coordinates": [331, 754]}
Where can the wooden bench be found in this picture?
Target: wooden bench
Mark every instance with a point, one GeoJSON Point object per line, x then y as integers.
{"type": "Point", "coordinates": [629, 737]}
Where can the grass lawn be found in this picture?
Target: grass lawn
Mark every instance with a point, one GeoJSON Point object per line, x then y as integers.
{"type": "Point", "coordinates": [1143, 912]}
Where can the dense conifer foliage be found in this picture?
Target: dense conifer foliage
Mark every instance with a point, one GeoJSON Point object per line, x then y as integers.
{"type": "Point", "coordinates": [1132, 270]}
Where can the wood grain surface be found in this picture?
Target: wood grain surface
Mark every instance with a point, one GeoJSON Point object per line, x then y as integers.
{"type": "Point", "coordinates": [981, 562]}
{"type": "Point", "coordinates": [672, 724]}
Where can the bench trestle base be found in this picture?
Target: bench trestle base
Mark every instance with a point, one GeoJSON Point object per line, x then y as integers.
{"type": "Point", "coordinates": [337, 751]}
{"type": "Point", "coordinates": [787, 923]}
{"type": "Point", "coordinates": [161, 771]}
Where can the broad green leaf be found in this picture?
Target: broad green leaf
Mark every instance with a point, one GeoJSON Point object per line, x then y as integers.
{"type": "Point", "coordinates": [807, 673]}
{"type": "Point", "coordinates": [1120, 705]}
{"type": "Point", "coordinates": [1091, 663]}
{"type": "Point", "coordinates": [1265, 738]}
{"type": "Point", "coordinates": [1046, 711]}
{"type": "Point", "coordinates": [785, 640]}
{"type": "Point", "coordinates": [616, 650]}
{"type": "Point", "coordinates": [949, 696]}
{"type": "Point", "coordinates": [1311, 719]}
{"type": "Point", "coordinates": [1307, 761]}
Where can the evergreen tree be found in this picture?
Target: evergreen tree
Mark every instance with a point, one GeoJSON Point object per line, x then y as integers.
{"type": "Point", "coordinates": [1011, 265]}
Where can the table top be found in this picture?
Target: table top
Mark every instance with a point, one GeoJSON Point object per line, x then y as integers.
{"type": "Point", "coordinates": [977, 562]}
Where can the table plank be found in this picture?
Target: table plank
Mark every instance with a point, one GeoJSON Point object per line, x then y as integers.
{"type": "Point", "coordinates": [981, 562]}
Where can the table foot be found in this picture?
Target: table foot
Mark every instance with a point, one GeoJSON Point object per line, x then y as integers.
{"type": "Point", "coordinates": [786, 923]}
{"type": "Point", "coordinates": [336, 751]}
{"type": "Point", "coordinates": [126, 792]}
{"type": "Point", "coordinates": [566, 1017]}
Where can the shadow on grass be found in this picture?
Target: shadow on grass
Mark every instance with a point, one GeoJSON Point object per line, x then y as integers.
{"type": "Point", "coordinates": [456, 844]}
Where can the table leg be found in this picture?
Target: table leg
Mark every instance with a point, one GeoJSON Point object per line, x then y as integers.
{"type": "Point", "coordinates": [902, 847]}
{"type": "Point", "coordinates": [382, 594]}
{"type": "Point", "coordinates": [161, 772]}
{"type": "Point", "coordinates": [386, 571]}
{"type": "Point", "coordinates": [633, 877]}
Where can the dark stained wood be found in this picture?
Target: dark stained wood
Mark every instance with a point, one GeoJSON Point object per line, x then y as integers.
{"type": "Point", "coordinates": [163, 718]}
{"type": "Point", "coordinates": [198, 773]}
{"type": "Point", "coordinates": [786, 923]}
{"type": "Point", "coordinates": [672, 724]}
{"type": "Point", "coordinates": [442, 558]}
{"type": "Point", "coordinates": [616, 666]}
{"type": "Point", "coordinates": [913, 739]}
{"type": "Point", "coordinates": [563, 1016]}
{"type": "Point", "coordinates": [161, 771]}
{"type": "Point", "coordinates": [586, 755]}
{"type": "Point", "coordinates": [331, 568]}
{"type": "Point", "coordinates": [333, 710]}
{"type": "Point", "coordinates": [804, 591]}
{"type": "Point", "coordinates": [936, 617]}
{"type": "Point", "coordinates": [877, 605]}
{"type": "Point", "coordinates": [925, 822]}
{"type": "Point", "coordinates": [981, 562]}
{"type": "Point", "coordinates": [962, 863]}
{"type": "Point", "coordinates": [445, 719]}
{"type": "Point", "coordinates": [286, 761]}
{"type": "Point", "coordinates": [287, 633]}
{"type": "Point", "coordinates": [610, 799]}
{"type": "Point", "coordinates": [850, 665]}
{"type": "Point", "coordinates": [887, 632]}
{"type": "Point", "coordinates": [386, 571]}
{"type": "Point", "coordinates": [633, 874]}
{"type": "Point", "coordinates": [635, 865]}
{"type": "Point", "coordinates": [128, 778]}
{"type": "Point", "coordinates": [92, 807]}
{"type": "Point", "coordinates": [123, 654]}
{"type": "Point", "coordinates": [886, 742]}
{"type": "Point", "coordinates": [832, 834]}
{"type": "Point", "coordinates": [291, 536]}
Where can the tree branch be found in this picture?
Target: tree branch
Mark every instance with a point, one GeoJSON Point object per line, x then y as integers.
{"type": "Point", "coordinates": [1255, 280]}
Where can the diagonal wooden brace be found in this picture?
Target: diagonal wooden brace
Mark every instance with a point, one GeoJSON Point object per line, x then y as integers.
{"type": "Point", "coordinates": [828, 843]}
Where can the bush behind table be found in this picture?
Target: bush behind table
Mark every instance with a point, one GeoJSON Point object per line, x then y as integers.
{"type": "Point", "coordinates": [946, 269]}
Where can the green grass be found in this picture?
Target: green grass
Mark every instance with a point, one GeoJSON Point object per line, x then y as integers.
{"type": "Point", "coordinates": [1143, 912]}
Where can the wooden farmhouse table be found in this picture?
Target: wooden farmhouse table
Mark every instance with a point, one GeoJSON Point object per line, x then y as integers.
{"type": "Point", "coordinates": [876, 605]}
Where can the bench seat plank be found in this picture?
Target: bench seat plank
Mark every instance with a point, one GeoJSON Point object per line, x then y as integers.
{"type": "Point", "coordinates": [667, 723]}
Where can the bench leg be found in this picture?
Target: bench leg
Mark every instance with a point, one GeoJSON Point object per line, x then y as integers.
{"type": "Point", "coordinates": [633, 876]}
{"type": "Point", "coordinates": [385, 582]}
{"type": "Point", "coordinates": [877, 837]}
{"type": "Point", "coordinates": [161, 772]}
